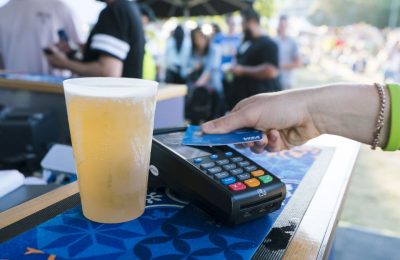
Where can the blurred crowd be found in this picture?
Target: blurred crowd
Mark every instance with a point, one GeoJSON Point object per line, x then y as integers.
{"type": "Point", "coordinates": [223, 67]}
{"type": "Point", "coordinates": [222, 59]}
{"type": "Point", "coordinates": [220, 67]}
{"type": "Point", "coordinates": [362, 48]}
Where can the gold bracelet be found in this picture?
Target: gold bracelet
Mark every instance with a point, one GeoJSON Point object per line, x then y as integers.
{"type": "Point", "coordinates": [381, 116]}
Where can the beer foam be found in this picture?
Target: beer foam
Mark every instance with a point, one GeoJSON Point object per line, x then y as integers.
{"type": "Point", "coordinates": [110, 87]}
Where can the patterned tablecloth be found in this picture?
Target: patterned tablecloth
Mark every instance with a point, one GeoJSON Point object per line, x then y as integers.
{"type": "Point", "coordinates": [169, 229]}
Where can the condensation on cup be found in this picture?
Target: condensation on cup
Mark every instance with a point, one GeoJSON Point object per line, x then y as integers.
{"type": "Point", "coordinates": [111, 124]}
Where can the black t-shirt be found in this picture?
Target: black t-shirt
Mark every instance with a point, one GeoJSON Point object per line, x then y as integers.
{"type": "Point", "coordinates": [119, 33]}
{"type": "Point", "coordinates": [252, 53]}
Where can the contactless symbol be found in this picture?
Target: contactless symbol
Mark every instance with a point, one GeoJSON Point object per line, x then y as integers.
{"type": "Point", "coordinates": [154, 170]}
{"type": "Point", "coordinates": [261, 193]}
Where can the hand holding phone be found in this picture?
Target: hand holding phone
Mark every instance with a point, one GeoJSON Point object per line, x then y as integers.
{"type": "Point", "coordinates": [48, 51]}
{"type": "Point", "coordinates": [63, 36]}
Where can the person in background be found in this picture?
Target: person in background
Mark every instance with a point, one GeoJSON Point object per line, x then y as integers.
{"type": "Point", "coordinates": [29, 26]}
{"type": "Point", "coordinates": [228, 44]}
{"type": "Point", "coordinates": [216, 33]}
{"type": "Point", "coordinates": [149, 63]}
{"type": "Point", "coordinates": [229, 41]}
{"type": "Point", "coordinates": [257, 63]}
{"type": "Point", "coordinates": [289, 58]}
{"type": "Point", "coordinates": [115, 46]}
{"type": "Point", "coordinates": [177, 54]}
{"type": "Point", "coordinates": [203, 71]}
{"type": "Point", "coordinates": [203, 68]}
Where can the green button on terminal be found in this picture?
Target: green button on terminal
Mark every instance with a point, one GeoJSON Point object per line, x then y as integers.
{"type": "Point", "coordinates": [265, 178]}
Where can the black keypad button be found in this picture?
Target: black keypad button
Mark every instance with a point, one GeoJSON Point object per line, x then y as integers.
{"type": "Point", "coordinates": [213, 156]}
{"type": "Point", "coordinates": [229, 166]}
{"type": "Point", "coordinates": [207, 165]}
{"type": "Point", "coordinates": [244, 163]}
{"type": "Point", "coordinates": [221, 175]}
{"type": "Point", "coordinates": [250, 168]}
{"type": "Point", "coordinates": [215, 170]}
{"type": "Point", "coordinates": [237, 159]}
{"type": "Point", "coordinates": [236, 171]}
{"type": "Point", "coordinates": [243, 176]}
{"type": "Point", "coordinates": [223, 162]}
{"type": "Point", "coordinates": [197, 160]}
{"type": "Point", "coordinates": [228, 154]}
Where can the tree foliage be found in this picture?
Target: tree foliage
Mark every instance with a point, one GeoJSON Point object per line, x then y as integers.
{"type": "Point", "coordinates": [344, 12]}
{"type": "Point", "coordinates": [266, 8]}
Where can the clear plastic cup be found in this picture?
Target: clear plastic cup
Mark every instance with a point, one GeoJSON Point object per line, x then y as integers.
{"type": "Point", "coordinates": [111, 124]}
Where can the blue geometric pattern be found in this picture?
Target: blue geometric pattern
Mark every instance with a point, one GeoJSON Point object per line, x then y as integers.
{"type": "Point", "coordinates": [169, 229]}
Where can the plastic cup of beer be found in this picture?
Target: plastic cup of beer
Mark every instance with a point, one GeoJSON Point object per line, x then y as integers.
{"type": "Point", "coordinates": [111, 124]}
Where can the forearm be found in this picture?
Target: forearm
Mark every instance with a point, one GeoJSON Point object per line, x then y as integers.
{"type": "Point", "coordinates": [349, 110]}
{"type": "Point", "coordinates": [263, 71]}
{"type": "Point", "coordinates": [204, 78]}
{"type": "Point", "coordinates": [106, 66]}
{"type": "Point", "coordinates": [85, 68]}
{"type": "Point", "coordinates": [295, 63]}
{"type": "Point", "coordinates": [290, 66]}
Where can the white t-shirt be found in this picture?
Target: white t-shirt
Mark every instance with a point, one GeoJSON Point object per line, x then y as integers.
{"type": "Point", "coordinates": [175, 59]}
{"type": "Point", "coordinates": [288, 52]}
{"type": "Point", "coordinates": [29, 26]}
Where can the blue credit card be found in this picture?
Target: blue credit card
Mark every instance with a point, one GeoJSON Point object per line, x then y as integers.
{"type": "Point", "coordinates": [194, 136]}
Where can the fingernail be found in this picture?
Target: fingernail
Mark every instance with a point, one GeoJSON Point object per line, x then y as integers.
{"type": "Point", "coordinates": [273, 137]}
{"type": "Point", "coordinates": [208, 126]}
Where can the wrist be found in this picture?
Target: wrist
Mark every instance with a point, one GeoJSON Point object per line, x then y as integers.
{"type": "Point", "coordinates": [348, 110]}
{"type": "Point", "coordinates": [69, 65]}
{"type": "Point", "coordinates": [316, 110]}
{"type": "Point", "coordinates": [242, 71]}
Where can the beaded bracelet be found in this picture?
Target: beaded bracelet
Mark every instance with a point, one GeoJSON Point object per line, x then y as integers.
{"type": "Point", "coordinates": [381, 115]}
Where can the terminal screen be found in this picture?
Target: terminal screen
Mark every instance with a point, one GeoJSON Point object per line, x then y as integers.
{"type": "Point", "coordinates": [174, 142]}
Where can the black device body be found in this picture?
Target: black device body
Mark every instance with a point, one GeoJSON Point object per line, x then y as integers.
{"type": "Point", "coordinates": [25, 136]}
{"type": "Point", "coordinates": [73, 54]}
{"type": "Point", "coordinates": [62, 34]}
{"type": "Point", "coordinates": [174, 166]}
{"type": "Point", "coordinates": [48, 51]}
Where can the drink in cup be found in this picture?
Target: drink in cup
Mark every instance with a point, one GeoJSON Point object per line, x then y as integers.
{"type": "Point", "coordinates": [111, 125]}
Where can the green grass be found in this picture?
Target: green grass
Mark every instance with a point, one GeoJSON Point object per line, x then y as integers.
{"type": "Point", "coordinates": [374, 193]}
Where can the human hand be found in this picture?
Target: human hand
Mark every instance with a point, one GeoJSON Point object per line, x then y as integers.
{"type": "Point", "coordinates": [198, 66]}
{"type": "Point", "coordinates": [284, 118]}
{"type": "Point", "coordinates": [290, 118]}
{"type": "Point", "coordinates": [64, 47]}
{"type": "Point", "coordinates": [237, 70]}
{"type": "Point", "coordinates": [57, 58]}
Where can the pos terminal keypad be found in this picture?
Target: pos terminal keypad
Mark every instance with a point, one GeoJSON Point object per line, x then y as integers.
{"type": "Point", "coordinates": [233, 172]}
{"type": "Point", "coordinates": [218, 179]}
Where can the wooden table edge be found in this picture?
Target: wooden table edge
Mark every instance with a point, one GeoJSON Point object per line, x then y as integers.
{"type": "Point", "coordinates": [330, 233]}
{"type": "Point", "coordinates": [300, 247]}
{"type": "Point", "coordinates": [34, 205]}
{"type": "Point", "coordinates": [31, 86]}
{"type": "Point", "coordinates": [166, 91]}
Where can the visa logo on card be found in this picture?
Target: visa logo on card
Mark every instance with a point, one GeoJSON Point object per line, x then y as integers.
{"type": "Point", "coordinates": [194, 136]}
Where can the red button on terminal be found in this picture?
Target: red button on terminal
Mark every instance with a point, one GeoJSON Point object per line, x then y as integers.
{"type": "Point", "coordinates": [237, 186]}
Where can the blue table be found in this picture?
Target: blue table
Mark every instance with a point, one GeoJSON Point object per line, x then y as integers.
{"type": "Point", "coordinates": [173, 229]}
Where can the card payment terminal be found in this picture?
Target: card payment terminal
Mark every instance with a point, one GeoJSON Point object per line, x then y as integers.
{"type": "Point", "coordinates": [221, 181]}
